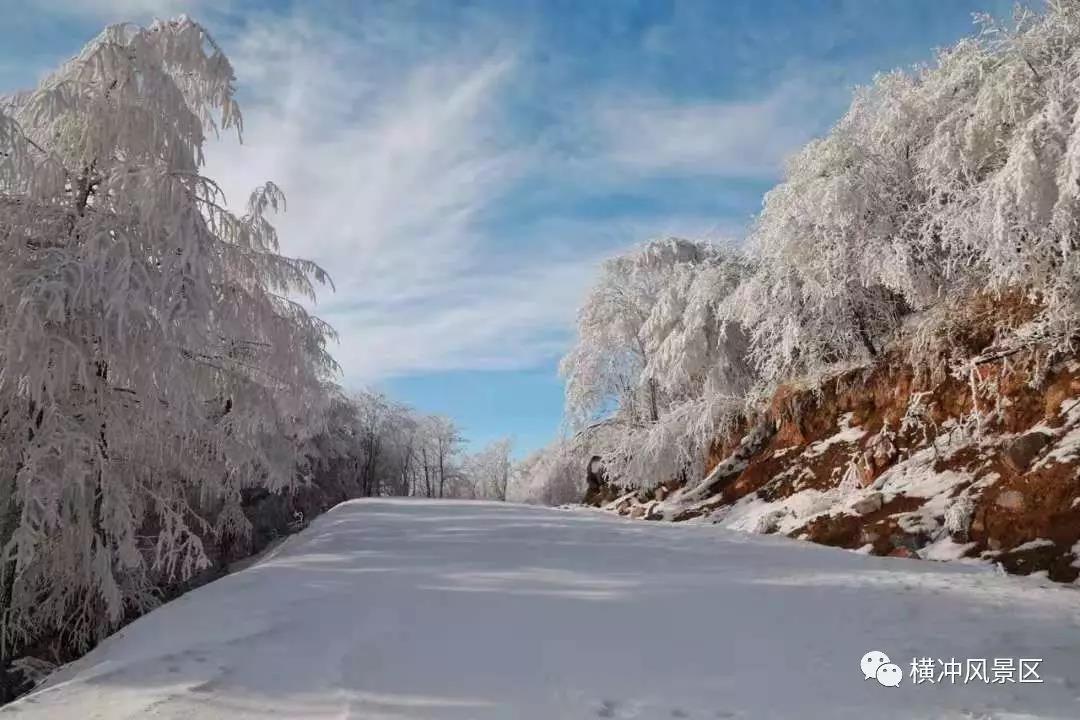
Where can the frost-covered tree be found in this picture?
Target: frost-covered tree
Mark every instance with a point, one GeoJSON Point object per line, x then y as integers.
{"type": "Point", "coordinates": [489, 469]}
{"type": "Point", "coordinates": [402, 433]}
{"type": "Point", "coordinates": [1002, 165]}
{"type": "Point", "coordinates": [373, 418]}
{"type": "Point", "coordinates": [659, 353]}
{"type": "Point", "coordinates": [950, 181]}
{"type": "Point", "coordinates": [335, 454]}
{"type": "Point", "coordinates": [696, 348]}
{"type": "Point", "coordinates": [836, 243]}
{"type": "Point", "coordinates": [437, 451]}
{"type": "Point", "coordinates": [373, 446]}
{"type": "Point", "coordinates": [604, 370]}
{"type": "Point", "coordinates": [956, 179]}
{"type": "Point", "coordinates": [154, 361]}
{"type": "Point", "coordinates": [554, 475]}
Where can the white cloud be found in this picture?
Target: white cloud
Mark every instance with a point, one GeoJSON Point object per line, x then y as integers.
{"type": "Point", "coordinates": [126, 10]}
{"type": "Point", "coordinates": [390, 140]}
{"type": "Point", "coordinates": [747, 138]}
{"type": "Point", "coordinates": [393, 151]}
{"type": "Point", "coordinates": [489, 319]}
{"type": "Point", "coordinates": [488, 322]}
{"type": "Point", "coordinates": [387, 167]}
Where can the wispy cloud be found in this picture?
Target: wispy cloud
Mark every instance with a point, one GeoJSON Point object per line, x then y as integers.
{"type": "Point", "coordinates": [394, 138]}
{"type": "Point", "coordinates": [461, 169]}
{"type": "Point", "coordinates": [652, 134]}
{"type": "Point", "coordinates": [394, 152]}
{"type": "Point", "coordinates": [480, 322]}
{"type": "Point", "coordinates": [495, 314]}
{"type": "Point", "coordinates": [125, 10]}
{"type": "Point", "coordinates": [387, 168]}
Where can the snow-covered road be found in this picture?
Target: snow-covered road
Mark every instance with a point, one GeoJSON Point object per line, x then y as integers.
{"type": "Point", "coordinates": [410, 609]}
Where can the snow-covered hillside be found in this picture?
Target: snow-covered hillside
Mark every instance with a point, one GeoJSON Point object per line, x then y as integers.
{"type": "Point", "coordinates": [410, 609]}
{"type": "Point", "coordinates": [865, 462]}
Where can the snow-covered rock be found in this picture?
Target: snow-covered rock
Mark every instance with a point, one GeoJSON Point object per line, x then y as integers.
{"type": "Point", "coordinates": [870, 503]}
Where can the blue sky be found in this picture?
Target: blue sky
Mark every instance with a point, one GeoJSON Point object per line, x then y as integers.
{"type": "Point", "coordinates": [461, 168]}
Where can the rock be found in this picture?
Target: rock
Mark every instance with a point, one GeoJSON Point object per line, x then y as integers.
{"type": "Point", "coordinates": [958, 517]}
{"type": "Point", "coordinates": [1053, 399]}
{"type": "Point", "coordinates": [993, 544]}
{"type": "Point", "coordinates": [1020, 452]}
{"type": "Point", "coordinates": [769, 523]}
{"type": "Point", "coordinates": [637, 511]}
{"type": "Point", "coordinates": [596, 485]}
{"type": "Point", "coordinates": [868, 537]}
{"type": "Point", "coordinates": [884, 453]}
{"type": "Point", "coordinates": [743, 485]}
{"type": "Point", "coordinates": [865, 470]}
{"type": "Point", "coordinates": [729, 469]}
{"type": "Point", "coordinates": [876, 458]}
{"type": "Point", "coordinates": [1010, 500]}
{"type": "Point", "coordinates": [870, 503]}
{"type": "Point", "coordinates": [661, 493]}
{"type": "Point", "coordinates": [688, 514]}
{"type": "Point", "coordinates": [903, 552]}
{"type": "Point", "coordinates": [622, 507]}
{"type": "Point", "coordinates": [910, 542]}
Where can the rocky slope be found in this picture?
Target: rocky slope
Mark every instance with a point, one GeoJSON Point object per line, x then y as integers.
{"type": "Point", "coordinates": [978, 461]}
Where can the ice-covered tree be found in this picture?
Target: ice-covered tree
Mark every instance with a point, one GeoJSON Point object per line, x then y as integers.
{"type": "Point", "coordinates": [373, 424]}
{"type": "Point", "coordinates": [402, 434]}
{"type": "Point", "coordinates": [1002, 166]}
{"type": "Point", "coordinates": [438, 447]}
{"type": "Point", "coordinates": [154, 361]}
{"type": "Point", "coordinates": [605, 370]}
{"type": "Point", "coordinates": [489, 469]}
{"type": "Point", "coordinates": [695, 345]}
{"type": "Point", "coordinates": [553, 475]}
{"type": "Point", "coordinates": [659, 353]}
{"type": "Point", "coordinates": [955, 179]}
{"type": "Point", "coordinates": [836, 243]}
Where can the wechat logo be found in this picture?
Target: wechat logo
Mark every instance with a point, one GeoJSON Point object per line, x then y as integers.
{"type": "Point", "coordinates": [876, 664]}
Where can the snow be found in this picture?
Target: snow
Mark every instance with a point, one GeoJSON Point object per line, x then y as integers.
{"type": "Point", "coordinates": [781, 452]}
{"type": "Point", "coordinates": [750, 512]}
{"type": "Point", "coordinates": [398, 609]}
{"type": "Point", "coordinates": [1067, 447]}
{"type": "Point", "coordinates": [913, 477]}
{"type": "Point", "coordinates": [1064, 451]}
{"type": "Point", "coordinates": [753, 514]}
{"type": "Point", "coordinates": [916, 477]}
{"type": "Point", "coordinates": [848, 434]}
{"type": "Point", "coordinates": [1033, 545]}
{"type": "Point", "coordinates": [945, 548]}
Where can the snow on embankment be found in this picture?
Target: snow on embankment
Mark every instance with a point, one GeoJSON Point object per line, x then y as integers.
{"type": "Point", "coordinates": [451, 610]}
{"type": "Point", "coordinates": [888, 463]}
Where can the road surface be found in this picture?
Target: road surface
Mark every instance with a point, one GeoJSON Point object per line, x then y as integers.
{"type": "Point", "coordinates": [396, 609]}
